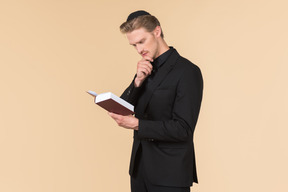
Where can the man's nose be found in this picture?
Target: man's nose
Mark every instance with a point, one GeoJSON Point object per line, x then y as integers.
{"type": "Point", "coordinates": [139, 49]}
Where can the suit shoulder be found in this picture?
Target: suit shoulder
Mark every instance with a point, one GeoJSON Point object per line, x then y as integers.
{"type": "Point", "coordinates": [187, 65]}
{"type": "Point", "coordinates": [189, 73]}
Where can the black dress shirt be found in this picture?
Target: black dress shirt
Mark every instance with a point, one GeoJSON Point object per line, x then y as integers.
{"type": "Point", "coordinates": [159, 61]}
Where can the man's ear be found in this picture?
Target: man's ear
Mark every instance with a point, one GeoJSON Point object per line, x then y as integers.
{"type": "Point", "coordinates": [157, 31]}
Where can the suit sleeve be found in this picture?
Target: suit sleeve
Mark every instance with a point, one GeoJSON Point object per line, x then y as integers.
{"type": "Point", "coordinates": [186, 109]}
{"type": "Point", "coordinates": [131, 94]}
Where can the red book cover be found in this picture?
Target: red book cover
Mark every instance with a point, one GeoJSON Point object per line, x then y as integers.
{"type": "Point", "coordinates": [115, 107]}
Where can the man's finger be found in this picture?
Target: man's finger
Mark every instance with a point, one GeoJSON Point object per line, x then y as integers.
{"type": "Point", "coordinates": [148, 58]}
{"type": "Point", "coordinates": [146, 65]}
{"type": "Point", "coordinates": [145, 70]}
{"type": "Point", "coordinates": [113, 115]}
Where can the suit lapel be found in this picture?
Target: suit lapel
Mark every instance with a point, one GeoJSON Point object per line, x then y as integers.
{"type": "Point", "coordinates": [159, 77]}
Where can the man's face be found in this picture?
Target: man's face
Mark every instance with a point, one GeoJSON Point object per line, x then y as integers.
{"type": "Point", "coordinates": [144, 42]}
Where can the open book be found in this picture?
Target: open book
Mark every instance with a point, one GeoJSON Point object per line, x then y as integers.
{"type": "Point", "coordinates": [112, 103]}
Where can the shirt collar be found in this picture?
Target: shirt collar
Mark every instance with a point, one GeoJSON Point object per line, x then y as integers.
{"type": "Point", "coordinates": [158, 62]}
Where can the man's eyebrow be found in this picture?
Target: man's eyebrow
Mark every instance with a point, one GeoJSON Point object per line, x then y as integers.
{"type": "Point", "coordinates": [137, 41]}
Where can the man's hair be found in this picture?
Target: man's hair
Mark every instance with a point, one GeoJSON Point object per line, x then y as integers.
{"type": "Point", "coordinates": [148, 22]}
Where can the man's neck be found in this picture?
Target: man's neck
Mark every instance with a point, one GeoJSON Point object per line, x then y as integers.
{"type": "Point", "coordinates": [163, 47]}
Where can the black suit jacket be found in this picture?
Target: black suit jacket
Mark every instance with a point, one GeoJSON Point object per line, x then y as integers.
{"type": "Point", "coordinates": [168, 110]}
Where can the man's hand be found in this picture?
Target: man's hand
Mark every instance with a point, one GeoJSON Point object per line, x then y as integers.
{"type": "Point", "coordinates": [129, 121]}
{"type": "Point", "coordinates": [144, 69]}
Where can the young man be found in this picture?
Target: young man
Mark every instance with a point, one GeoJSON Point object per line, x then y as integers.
{"type": "Point", "coordinates": [166, 92]}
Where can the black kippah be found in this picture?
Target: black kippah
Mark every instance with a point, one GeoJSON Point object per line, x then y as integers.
{"type": "Point", "coordinates": [137, 14]}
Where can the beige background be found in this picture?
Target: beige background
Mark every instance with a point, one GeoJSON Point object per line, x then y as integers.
{"type": "Point", "coordinates": [54, 139]}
